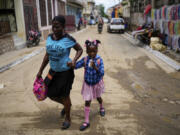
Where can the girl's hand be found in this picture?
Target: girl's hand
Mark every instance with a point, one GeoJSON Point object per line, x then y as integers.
{"type": "Point", "coordinates": [93, 65]}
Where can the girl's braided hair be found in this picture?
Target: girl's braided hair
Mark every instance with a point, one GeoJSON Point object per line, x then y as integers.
{"type": "Point", "coordinates": [92, 43]}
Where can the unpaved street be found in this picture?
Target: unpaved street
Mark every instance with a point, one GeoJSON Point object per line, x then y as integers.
{"type": "Point", "coordinates": [142, 95]}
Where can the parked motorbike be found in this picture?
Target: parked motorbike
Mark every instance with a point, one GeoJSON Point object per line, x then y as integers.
{"type": "Point", "coordinates": [100, 27]}
{"type": "Point", "coordinates": [33, 38]}
{"type": "Point", "coordinates": [144, 38]}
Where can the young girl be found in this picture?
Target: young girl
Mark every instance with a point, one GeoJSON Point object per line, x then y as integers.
{"type": "Point", "coordinates": [93, 85]}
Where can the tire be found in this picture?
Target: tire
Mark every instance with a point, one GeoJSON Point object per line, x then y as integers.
{"type": "Point", "coordinates": [99, 31]}
{"type": "Point", "coordinates": [37, 42]}
{"type": "Point", "coordinates": [29, 44]}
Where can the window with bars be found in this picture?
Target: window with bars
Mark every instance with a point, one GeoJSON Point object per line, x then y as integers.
{"type": "Point", "coordinates": [42, 5]}
{"type": "Point", "coordinates": [49, 12]}
{"type": "Point", "coordinates": [7, 17]}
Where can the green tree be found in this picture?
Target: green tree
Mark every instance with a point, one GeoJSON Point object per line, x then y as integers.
{"type": "Point", "coordinates": [101, 9]}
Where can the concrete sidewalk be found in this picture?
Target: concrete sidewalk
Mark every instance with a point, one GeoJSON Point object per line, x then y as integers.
{"type": "Point", "coordinates": [172, 63]}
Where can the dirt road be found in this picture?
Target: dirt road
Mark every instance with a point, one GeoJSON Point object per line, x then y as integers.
{"type": "Point", "coordinates": [141, 98]}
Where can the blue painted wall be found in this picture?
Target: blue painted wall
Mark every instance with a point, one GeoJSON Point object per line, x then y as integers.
{"type": "Point", "coordinates": [74, 11]}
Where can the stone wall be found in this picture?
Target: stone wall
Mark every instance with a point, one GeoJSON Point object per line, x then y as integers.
{"type": "Point", "coordinates": [6, 43]}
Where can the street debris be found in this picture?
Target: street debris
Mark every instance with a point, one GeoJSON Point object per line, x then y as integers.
{"type": "Point", "coordinates": [1, 86]}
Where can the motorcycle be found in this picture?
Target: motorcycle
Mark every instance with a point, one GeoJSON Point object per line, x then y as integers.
{"type": "Point", "coordinates": [100, 27]}
{"type": "Point", "coordinates": [33, 38]}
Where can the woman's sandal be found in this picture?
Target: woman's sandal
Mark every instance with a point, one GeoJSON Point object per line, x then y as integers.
{"type": "Point", "coordinates": [65, 125]}
{"type": "Point", "coordinates": [84, 126]}
{"type": "Point", "coordinates": [102, 112]}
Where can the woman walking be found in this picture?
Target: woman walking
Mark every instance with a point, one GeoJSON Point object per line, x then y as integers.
{"type": "Point", "coordinates": [60, 77]}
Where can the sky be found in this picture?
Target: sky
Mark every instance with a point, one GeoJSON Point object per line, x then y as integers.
{"type": "Point", "coordinates": [107, 3]}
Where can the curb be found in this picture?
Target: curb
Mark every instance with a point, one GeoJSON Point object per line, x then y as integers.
{"type": "Point", "coordinates": [20, 60]}
{"type": "Point", "coordinates": [158, 54]}
{"type": "Point", "coordinates": [26, 57]}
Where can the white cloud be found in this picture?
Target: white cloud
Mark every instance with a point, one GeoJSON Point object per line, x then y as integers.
{"type": "Point", "coordinates": [107, 3]}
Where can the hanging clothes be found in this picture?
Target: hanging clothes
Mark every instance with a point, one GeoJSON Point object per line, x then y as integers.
{"type": "Point", "coordinates": [160, 13]}
{"type": "Point", "coordinates": [173, 42]}
{"type": "Point", "coordinates": [173, 12]}
{"type": "Point", "coordinates": [164, 9]}
{"type": "Point", "coordinates": [166, 39]}
{"type": "Point", "coordinates": [178, 27]}
{"type": "Point", "coordinates": [161, 25]}
{"type": "Point", "coordinates": [169, 13]}
{"type": "Point", "coordinates": [178, 12]}
{"type": "Point", "coordinates": [170, 41]}
{"type": "Point", "coordinates": [166, 28]}
{"type": "Point", "coordinates": [152, 14]}
{"type": "Point", "coordinates": [171, 27]}
{"type": "Point", "coordinates": [177, 42]}
{"type": "Point", "coordinates": [155, 14]}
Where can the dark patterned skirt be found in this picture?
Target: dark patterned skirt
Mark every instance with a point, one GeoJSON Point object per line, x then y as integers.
{"type": "Point", "coordinates": [61, 84]}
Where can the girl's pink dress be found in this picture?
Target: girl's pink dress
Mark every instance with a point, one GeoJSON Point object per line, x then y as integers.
{"type": "Point", "coordinates": [90, 92]}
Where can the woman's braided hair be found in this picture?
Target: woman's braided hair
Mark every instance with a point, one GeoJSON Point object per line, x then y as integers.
{"type": "Point", "coordinates": [61, 19]}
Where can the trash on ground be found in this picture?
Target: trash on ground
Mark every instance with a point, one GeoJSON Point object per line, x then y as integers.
{"type": "Point", "coordinates": [1, 86]}
{"type": "Point", "coordinates": [156, 45]}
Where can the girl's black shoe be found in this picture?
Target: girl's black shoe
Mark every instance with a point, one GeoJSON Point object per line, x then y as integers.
{"type": "Point", "coordinates": [102, 112]}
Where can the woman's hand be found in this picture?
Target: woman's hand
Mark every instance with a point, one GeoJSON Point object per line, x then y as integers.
{"type": "Point", "coordinates": [43, 65]}
{"type": "Point", "coordinates": [71, 64]}
{"type": "Point", "coordinates": [39, 74]}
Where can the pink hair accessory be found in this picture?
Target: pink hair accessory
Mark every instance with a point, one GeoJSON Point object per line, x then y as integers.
{"type": "Point", "coordinates": [95, 42]}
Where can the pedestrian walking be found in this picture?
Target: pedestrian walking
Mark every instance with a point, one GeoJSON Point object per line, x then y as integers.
{"type": "Point", "coordinates": [93, 85]}
{"type": "Point", "coordinates": [60, 77]}
{"type": "Point", "coordinates": [85, 22]}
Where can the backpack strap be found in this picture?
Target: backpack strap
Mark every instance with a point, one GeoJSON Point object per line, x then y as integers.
{"type": "Point", "coordinates": [85, 61]}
